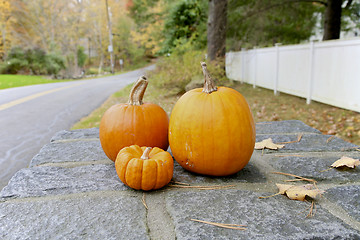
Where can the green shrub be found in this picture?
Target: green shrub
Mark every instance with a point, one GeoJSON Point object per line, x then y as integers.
{"type": "Point", "coordinates": [81, 56]}
{"type": "Point", "coordinates": [92, 71]}
{"type": "Point", "coordinates": [13, 66]}
{"type": "Point", "coordinates": [36, 61]}
{"type": "Point", "coordinates": [54, 63]}
{"type": "Point", "coordinates": [176, 71]}
{"type": "Point", "coordinates": [16, 52]}
{"type": "Point", "coordinates": [107, 69]}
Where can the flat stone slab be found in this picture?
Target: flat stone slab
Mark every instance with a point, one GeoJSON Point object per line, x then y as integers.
{"type": "Point", "coordinates": [273, 218]}
{"type": "Point", "coordinates": [283, 127]}
{"type": "Point", "coordinates": [89, 133]}
{"type": "Point", "coordinates": [88, 216]}
{"type": "Point", "coordinates": [315, 166]}
{"type": "Point", "coordinates": [72, 191]}
{"type": "Point", "coordinates": [70, 151]}
{"type": "Point", "coordinates": [45, 181]}
{"type": "Point", "coordinates": [348, 197]}
{"type": "Point", "coordinates": [250, 173]}
{"type": "Point", "coordinates": [308, 143]}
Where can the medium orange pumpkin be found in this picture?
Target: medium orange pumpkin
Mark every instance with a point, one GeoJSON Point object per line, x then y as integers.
{"type": "Point", "coordinates": [123, 124]}
{"type": "Point", "coordinates": [211, 130]}
{"type": "Point", "coordinates": [144, 168]}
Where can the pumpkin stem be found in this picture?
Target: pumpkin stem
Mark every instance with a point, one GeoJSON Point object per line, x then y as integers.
{"type": "Point", "coordinates": [137, 91]}
{"type": "Point", "coordinates": [145, 154]}
{"type": "Point", "coordinates": [209, 85]}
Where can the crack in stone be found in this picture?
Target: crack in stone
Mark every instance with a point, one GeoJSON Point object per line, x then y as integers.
{"type": "Point", "coordinates": [158, 219]}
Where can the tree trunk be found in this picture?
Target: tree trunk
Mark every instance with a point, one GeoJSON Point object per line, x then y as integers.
{"type": "Point", "coordinates": [3, 31]}
{"type": "Point", "coordinates": [332, 23]}
{"type": "Point", "coordinates": [110, 38]}
{"type": "Point", "coordinates": [216, 31]}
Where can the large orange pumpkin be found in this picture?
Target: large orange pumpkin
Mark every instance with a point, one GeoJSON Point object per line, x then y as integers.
{"type": "Point", "coordinates": [144, 168]}
{"type": "Point", "coordinates": [135, 122]}
{"type": "Point", "coordinates": [211, 130]}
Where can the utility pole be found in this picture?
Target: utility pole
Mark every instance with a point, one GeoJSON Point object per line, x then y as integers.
{"type": "Point", "coordinates": [110, 48]}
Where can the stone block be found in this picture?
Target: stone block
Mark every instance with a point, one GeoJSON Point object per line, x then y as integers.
{"type": "Point", "coordinates": [308, 143]}
{"type": "Point", "coordinates": [348, 197]}
{"type": "Point", "coordinates": [88, 133]}
{"type": "Point", "coordinates": [44, 181]}
{"type": "Point", "coordinates": [85, 216]}
{"type": "Point", "coordinates": [273, 218]}
{"type": "Point", "coordinates": [72, 151]}
{"type": "Point", "coordinates": [315, 166]}
{"type": "Point", "coordinates": [249, 174]}
{"type": "Point", "coordinates": [282, 127]}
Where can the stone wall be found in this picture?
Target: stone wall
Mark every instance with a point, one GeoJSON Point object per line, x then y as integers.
{"type": "Point", "coordinates": [71, 191]}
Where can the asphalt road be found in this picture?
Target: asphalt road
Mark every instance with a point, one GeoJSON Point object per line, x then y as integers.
{"type": "Point", "coordinates": [31, 115]}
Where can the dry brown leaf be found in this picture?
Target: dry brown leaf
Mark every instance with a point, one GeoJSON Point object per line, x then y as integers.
{"type": "Point", "coordinates": [283, 187]}
{"type": "Point", "coordinates": [268, 143]}
{"type": "Point", "coordinates": [346, 162]}
{"type": "Point", "coordinates": [299, 192]}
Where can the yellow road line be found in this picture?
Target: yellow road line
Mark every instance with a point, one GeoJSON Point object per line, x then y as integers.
{"type": "Point", "coordinates": [28, 98]}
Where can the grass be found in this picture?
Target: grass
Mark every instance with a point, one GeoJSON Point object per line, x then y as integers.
{"type": "Point", "coordinates": [10, 81]}
{"type": "Point", "coordinates": [14, 80]}
{"type": "Point", "coordinates": [264, 105]}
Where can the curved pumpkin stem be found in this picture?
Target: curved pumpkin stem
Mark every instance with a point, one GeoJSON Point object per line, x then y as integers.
{"type": "Point", "coordinates": [145, 154]}
{"type": "Point", "coordinates": [209, 85]}
{"type": "Point", "coordinates": [137, 92]}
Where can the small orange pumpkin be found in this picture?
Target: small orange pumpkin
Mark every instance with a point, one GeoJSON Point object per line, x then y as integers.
{"type": "Point", "coordinates": [144, 168]}
{"type": "Point", "coordinates": [123, 124]}
{"type": "Point", "coordinates": [211, 130]}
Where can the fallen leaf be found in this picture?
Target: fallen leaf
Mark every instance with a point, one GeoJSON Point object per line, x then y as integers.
{"type": "Point", "coordinates": [268, 143]}
{"type": "Point", "coordinates": [283, 187]}
{"type": "Point", "coordinates": [299, 192]}
{"type": "Point", "coordinates": [346, 162]}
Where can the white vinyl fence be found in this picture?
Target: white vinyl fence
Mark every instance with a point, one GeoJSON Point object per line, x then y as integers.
{"type": "Point", "coordinates": [327, 72]}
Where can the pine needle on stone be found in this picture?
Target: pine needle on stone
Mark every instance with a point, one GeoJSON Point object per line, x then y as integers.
{"type": "Point", "coordinates": [144, 202]}
{"type": "Point", "coordinates": [311, 211]}
{"type": "Point", "coordinates": [296, 176]}
{"type": "Point", "coordinates": [213, 187]}
{"type": "Point", "coordinates": [295, 141]}
{"type": "Point", "coordinates": [223, 225]}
